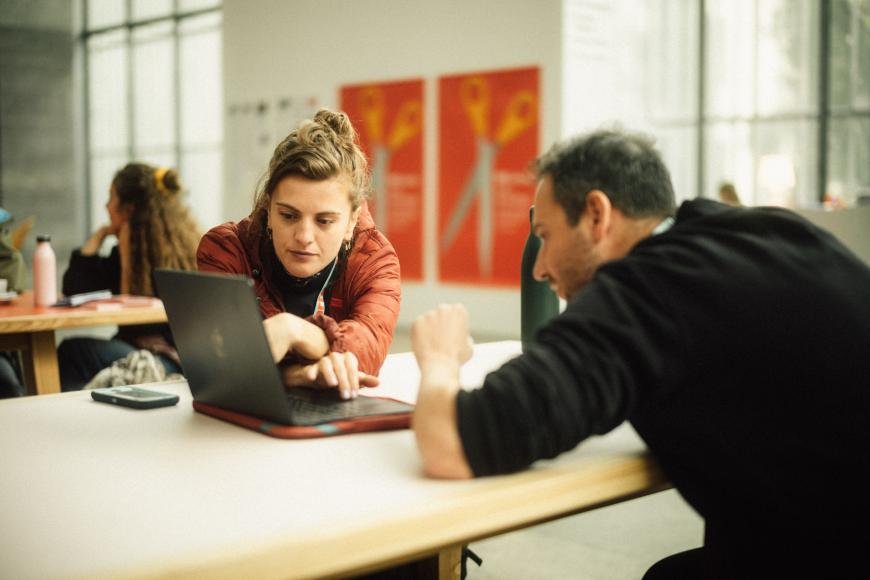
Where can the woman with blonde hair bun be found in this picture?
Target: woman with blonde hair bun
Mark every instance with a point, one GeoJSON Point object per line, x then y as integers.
{"type": "Point", "coordinates": [326, 279]}
{"type": "Point", "coordinates": [154, 230]}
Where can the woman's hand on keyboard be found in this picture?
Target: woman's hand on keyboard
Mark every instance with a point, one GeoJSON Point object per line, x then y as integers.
{"type": "Point", "coordinates": [336, 370]}
{"type": "Point", "coordinates": [287, 333]}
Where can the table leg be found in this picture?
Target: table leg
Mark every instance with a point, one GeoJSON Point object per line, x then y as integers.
{"type": "Point", "coordinates": [41, 374]}
{"type": "Point", "coordinates": [445, 565]}
{"type": "Point", "coordinates": [450, 562]}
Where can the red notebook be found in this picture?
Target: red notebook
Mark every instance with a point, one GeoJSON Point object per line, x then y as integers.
{"type": "Point", "coordinates": [343, 427]}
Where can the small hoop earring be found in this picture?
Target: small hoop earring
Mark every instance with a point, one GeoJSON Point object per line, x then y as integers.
{"type": "Point", "coordinates": [269, 232]}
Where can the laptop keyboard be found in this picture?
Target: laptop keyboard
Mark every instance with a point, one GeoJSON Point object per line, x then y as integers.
{"type": "Point", "coordinates": [313, 407]}
{"type": "Point", "coordinates": [308, 413]}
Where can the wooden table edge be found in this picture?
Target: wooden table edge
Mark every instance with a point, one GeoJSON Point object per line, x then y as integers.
{"type": "Point", "coordinates": [509, 503]}
{"type": "Point", "coordinates": [83, 318]}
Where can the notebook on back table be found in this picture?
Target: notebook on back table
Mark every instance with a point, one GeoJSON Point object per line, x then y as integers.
{"type": "Point", "coordinates": [225, 356]}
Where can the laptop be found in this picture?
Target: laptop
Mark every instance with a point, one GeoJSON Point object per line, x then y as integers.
{"type": "Point", "coordinates": [218, 331]}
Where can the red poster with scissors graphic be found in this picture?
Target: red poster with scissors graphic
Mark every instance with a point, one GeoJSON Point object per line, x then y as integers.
{"type": "Point", "coordinates": [489, 135]}
{"type": "Point", "coordinates": [389, 120]}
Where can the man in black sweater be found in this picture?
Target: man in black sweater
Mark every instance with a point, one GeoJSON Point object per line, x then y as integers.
{"type": "Point", "coordinates": [736, 341]}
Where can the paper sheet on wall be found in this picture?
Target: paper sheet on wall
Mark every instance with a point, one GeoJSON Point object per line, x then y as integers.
{"type": "Point", "coordinates": [253, 130]}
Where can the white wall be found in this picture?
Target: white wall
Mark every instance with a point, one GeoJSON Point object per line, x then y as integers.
{"type": "Point", "coordinates": [275, 48]}
{"type": "Point", "coordinates": [851, 226]}
{"type": "Point", "coordinates": [39, 156]}
{"type": "Point", "coordinates": [603, 65]}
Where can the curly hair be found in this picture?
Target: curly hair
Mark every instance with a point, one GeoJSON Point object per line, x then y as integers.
{"type": "Point", "coordinates": [163, 234]}
{"type": "Point", "coordinates": [319, 148]}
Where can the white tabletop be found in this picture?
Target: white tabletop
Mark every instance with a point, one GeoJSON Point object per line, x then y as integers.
{"type": "Point", "coordinates": [92, 489]}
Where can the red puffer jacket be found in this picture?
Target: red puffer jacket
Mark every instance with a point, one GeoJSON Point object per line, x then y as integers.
{"type": "Point", "coordinates": [362, 311]}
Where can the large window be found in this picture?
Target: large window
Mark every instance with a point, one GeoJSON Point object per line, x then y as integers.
{"type": "Point", "coordinates": [154, 94]}
{"type": "Point", "coordinates": [848, 143]}
{"type": "Point", "coordinates": [761, 112]}
{"type": "Point", "coordinates": [778, 104]}
{"type": "Point", "coordinates": [671, 98]}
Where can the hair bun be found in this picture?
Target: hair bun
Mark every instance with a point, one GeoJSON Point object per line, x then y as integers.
{"type": "Point", "coordinates": [338, 122]}
{"type": "Point", "coordinates": [166, 180]}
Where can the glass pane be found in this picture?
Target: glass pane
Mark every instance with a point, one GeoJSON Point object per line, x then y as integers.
{"type": "Point", "coordinates": [861, 60]}
{"type": "Point", "coordinates": [849, 161]}
{"type": "Point", "coordinates": [786, 163]}
{"type": "Point", "coordinates": [211, 21]}
{"type": "Point", "coordinates": [145, 9]}
{"type": "Point", "coordinates": [672, 59]}
{"type": "Point", "coordinates": [102, 13]}
{"type": "Point", "coordinates": [107, 91]}
{"type": "Point", "coordinates": [202, 174]}
{"type": "Point", "coordinates": [679, 149]}
{"type": "Point", "coordinates": [787, 68]}
{"type": "Point", "coordinates": [841, 55]}
{"type": "Point", "coordinates": [156, 156]}
{"type": "Point", "coordinates": [850, 55]}
{"type": "Point", "coordinates": [729, 80]}
{"type": "Point", "coordinates": [103, 169]}
{"type": "Point", "coordinates": [153, 32]}
{"type": "Point", "coordinates": [201, 90]}
{"type": "Point", "coordinates": [153, 91]}
{"type": "Point", "coordinates": [107, 40]}
{"type": "Point", "coordinates": [729, 159]}
{"type": "Point", "coordinates": [191, 5]}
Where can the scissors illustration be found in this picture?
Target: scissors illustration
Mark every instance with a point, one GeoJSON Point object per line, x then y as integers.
{"type": "Point", "coordinates": [520, 115]}
{"type": "Point", "coordinates": [406, 125]}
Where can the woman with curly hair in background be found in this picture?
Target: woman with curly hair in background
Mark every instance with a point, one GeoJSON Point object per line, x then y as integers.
{"type": "Point", "coordinates": [154, 230]}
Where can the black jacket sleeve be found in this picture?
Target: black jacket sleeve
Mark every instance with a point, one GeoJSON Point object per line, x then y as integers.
{"type": "Point", "coordinates": [583, 377]}
{"type": "Point", "coordinates": [91, 273]}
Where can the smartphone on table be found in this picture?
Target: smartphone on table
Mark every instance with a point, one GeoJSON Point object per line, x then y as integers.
{"type": "Point", "coordinates": [135, 397]}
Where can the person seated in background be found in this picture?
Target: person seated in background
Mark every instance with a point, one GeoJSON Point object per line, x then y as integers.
{"type": "Point", "coordinates": [734, 341]}
{"type": "Point", "coordinates": [728, 194]}
{"type": "Point", "coordinates": [326, 279]}
{"type": "Point", "coordinates": [154, 230]}
{"type": "Point", "coordinates": [10, 376]}
{"type": "Point", "coordinates": [12, 272]}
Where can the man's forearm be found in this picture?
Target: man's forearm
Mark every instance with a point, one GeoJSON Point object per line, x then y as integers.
{"type": "Point", "coordinates": [435, 423]}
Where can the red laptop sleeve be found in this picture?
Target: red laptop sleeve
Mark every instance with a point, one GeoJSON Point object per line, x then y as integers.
{"type": "Point", "coordinates": [355, 425]}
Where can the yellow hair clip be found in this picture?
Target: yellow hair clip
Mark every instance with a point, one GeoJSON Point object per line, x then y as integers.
{"type": "Point", "coordinates": [159, 174]}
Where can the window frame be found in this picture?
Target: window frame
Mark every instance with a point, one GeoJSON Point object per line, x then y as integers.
{"type": "Point", "coordinates": [706, 122]}
{"type": "Point", "coordinates": [130, 25]}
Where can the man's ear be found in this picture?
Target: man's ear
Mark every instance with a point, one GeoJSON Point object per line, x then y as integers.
{"type": "Point", "coordinates": [599, 212]}
{"type": "Point", "coordinates": [354, 217]}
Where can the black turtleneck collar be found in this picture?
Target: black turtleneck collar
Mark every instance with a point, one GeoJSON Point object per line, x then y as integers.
{"type": "Point", "coordinates": [287, 281]}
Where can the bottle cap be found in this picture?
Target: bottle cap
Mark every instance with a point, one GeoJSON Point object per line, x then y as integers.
{"type": "Point", "coordinates": [43, 238]}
